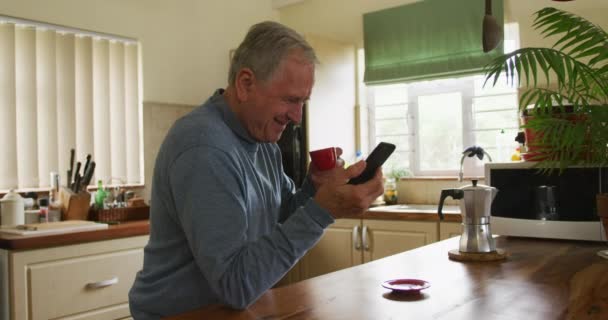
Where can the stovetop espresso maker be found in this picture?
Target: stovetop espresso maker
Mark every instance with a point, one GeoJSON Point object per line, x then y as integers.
{"type": "Point", "coordinates": [475, 205]}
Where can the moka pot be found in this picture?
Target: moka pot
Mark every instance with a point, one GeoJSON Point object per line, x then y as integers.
{"type": "Point", "coordinates": [475, 205]}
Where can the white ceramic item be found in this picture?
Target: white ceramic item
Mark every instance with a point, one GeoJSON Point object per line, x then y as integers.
{"type": "Point", "coordinates": [13, 209]}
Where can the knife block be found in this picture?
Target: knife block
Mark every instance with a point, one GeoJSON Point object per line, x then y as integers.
{"type": "Point", "coordinates": [74, 206]}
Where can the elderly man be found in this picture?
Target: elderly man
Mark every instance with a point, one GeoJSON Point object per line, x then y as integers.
{"type": "Point", "coordinates": [226, 223]}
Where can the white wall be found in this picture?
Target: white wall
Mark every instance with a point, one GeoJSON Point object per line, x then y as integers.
{"type": "Point", "coordinates": [185, 43]}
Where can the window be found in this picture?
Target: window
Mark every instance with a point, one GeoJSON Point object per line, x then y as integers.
{"type": "Point", "coordinates": [62, 89]}
{"type": "Point", "coordinates": [432, 122]}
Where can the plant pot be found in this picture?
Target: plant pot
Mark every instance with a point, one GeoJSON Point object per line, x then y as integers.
{"type": "Point", "coordinates": [533, 138]}
{"type": "Point", "coordinates": [602, 210]}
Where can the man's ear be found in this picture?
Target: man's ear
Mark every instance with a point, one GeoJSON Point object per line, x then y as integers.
{"type": "Point", "coordinates": [244, 82]}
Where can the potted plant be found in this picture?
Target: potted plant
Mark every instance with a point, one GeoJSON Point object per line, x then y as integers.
{"type": "Point", "coordinates": [565, 93]}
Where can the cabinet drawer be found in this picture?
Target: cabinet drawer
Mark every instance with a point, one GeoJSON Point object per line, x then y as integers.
{"type": "Point", "coordinates": [71, 286]}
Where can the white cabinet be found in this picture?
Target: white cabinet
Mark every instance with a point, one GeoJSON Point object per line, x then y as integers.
{"type": "Point", "coordinates": [82, 281]}
{"type": "Point", "coordinates": [449, 230]}
{"type": "Point", "coordinates": [350, 242]}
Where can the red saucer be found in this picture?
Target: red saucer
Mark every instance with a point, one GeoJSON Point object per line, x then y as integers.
{"type": "Point", "coordinates": [406, 285]}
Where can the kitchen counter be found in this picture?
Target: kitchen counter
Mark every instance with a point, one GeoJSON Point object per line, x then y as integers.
{"type": "Point", "coordinates": [123, 230]}
{"type": "Point", "coordinates": [541, 279]}
{"type": "Point", "coordinates": [135, 228]}
{"type": "Point", "coordinates": [417, 212]}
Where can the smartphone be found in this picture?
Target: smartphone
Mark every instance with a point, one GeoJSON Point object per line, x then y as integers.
{"type": "Point", "coordinates": [375, 160]}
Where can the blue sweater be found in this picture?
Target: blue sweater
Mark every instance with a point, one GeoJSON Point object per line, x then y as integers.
{"type": "Point", "coordinates": [225, 221]}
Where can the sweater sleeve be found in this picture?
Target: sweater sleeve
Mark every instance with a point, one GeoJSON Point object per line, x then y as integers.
{"type": "Point", "coordinates": [211, 205]}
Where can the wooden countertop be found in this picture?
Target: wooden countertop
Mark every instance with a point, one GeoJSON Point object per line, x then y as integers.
{"type": "Point", "coordinates": [136, 228]}
{"type": "Point", "coordinates": [413, 212]}
{"type": "Point", "coordinates": [541, 279]}
{"type": "Point", "coordinates": [125, 229]}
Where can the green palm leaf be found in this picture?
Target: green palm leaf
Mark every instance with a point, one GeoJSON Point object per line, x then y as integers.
{"type": "Point", "coordinates": [575, 71]}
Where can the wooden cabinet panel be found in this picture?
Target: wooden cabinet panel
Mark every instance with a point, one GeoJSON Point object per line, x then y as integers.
{"type": "Point", "coordinates": [343, 244]}
{"type": "Point", "coordinates": [385, 238]}
{"type": "Point", "coordinates": [52, 282]}
{"type": "Point", "coordinates": [82, 283]}
{"type": "Point", "coordinates": [335, 250]}
{"type": "Point", "coordinates": [449, 230]}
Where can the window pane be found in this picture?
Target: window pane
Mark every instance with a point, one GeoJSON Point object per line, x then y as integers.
{"type": "Point", "coordinates": [491, 139]}
{"type": "Point", "coordinates": [390, 94]}
{"type": "Point", "coordinates": [391, 127]}
{"type": "Point", "coordinates": [398, 160]}
{"type": "Point", "coordinates": [494, 102]}
{"type": "Point", "coordinates": [391, 112]}
{"type": "Point", "coordinates": [501, 86]}
{"type": "Point", "coordinates": [495, 120]}
{"type": "Point", "coordinates": [440, 131]}
{"type": "Point", "coordinates": [401, 142]}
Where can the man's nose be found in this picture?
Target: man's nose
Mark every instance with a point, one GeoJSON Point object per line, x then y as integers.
{"type": "Point", "coordinates": [295, 114]}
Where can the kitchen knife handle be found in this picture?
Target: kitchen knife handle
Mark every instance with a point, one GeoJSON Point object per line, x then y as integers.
{"type": "Point", "coordinates": [86, 165]}
{"type": "Point", "coordinates": [102, 284]}
{"type": "Point", "coordinates": [89, 174]}
{"type": "Point", "coordinates": [77, 179]}
{"type": "Point", "coordinates": [71, 171]}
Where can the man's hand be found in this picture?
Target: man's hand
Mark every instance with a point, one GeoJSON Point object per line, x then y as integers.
{"type": "Point", "coordinates": [346, 200]}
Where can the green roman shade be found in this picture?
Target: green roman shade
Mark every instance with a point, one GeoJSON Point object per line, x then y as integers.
{"type": "Point", "coordinates": [427, 40]}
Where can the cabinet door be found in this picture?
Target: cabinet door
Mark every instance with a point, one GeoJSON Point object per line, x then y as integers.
{"type": "Point", "coordinates": [383, 238]}
{"type": "Point", "coordinates": [449, 230]}
{"type": "Point", "coordinates": [82, 281]}
{"type": "Point", "coordinates": [335, 251]}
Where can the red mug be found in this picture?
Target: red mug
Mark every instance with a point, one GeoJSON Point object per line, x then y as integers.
{"type": "Point", "coordinates": [324, 159]}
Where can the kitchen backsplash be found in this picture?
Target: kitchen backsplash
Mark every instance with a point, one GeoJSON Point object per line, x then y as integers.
{"type": "Point", "coordinates": [158, 119]}
{"type": "Point", "coordinates": [427, 191]}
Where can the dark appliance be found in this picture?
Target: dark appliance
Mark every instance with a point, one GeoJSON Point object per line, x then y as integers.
{"type": "Point", "coordinates": [294, 151]}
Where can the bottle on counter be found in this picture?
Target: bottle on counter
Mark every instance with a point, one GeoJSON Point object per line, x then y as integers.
{"type": "Point", "coordinates": [54, 210]}
{"type": "Point", "coordinates": [100, 196]}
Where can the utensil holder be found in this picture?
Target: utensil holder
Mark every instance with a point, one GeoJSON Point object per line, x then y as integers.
{"type": "Point", "coordinates": [74, 206]}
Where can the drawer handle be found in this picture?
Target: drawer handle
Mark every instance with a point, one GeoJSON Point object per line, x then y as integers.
{"type": "Point", "coordinates": [101, 284]}
{"type": "Point", "coordinates": [364, 236]}
{"type": "Point", "coordinates": [356, 242]}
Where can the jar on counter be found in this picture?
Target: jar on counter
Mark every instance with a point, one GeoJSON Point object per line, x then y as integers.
{"type": "Point", "coordinates": [13, 209]}
{"type": "Point", "coordinates": [390, 191]}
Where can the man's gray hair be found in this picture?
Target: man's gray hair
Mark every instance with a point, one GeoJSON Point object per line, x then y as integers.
{"type": "Point", "coordinates": [264, 47]}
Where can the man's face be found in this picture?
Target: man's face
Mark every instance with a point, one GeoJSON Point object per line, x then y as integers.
{"type": "Point", "coordinates": [279, 100]}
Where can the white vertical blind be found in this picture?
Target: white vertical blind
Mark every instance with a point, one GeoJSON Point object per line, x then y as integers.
{"type": "Point", "coordinates": [84, 95]}
{"type": "Point", "coordinates": [59, 90]}
{"type": "Point", "coordinates": [8, 129]}
{"type": "Point", "coordinates": [66, 100]}
{"type": "Point", "coordinates": [132, 115]}
{"type": "Point", "coordinates": [47, 103]}
{"type": "Point", "coordinates": [117, 111]}
{"type": "Point", "coordinates": [101, 109]}
{"type": "Point", "coordinates": [25, 75]}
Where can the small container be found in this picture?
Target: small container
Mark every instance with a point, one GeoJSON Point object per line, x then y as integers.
{"type": "Point", "coordinates": [43, 214]}
{"type": "Point", "coordinates": [390, 191]}
{"type": "Point", "coordinates": [13, 209]}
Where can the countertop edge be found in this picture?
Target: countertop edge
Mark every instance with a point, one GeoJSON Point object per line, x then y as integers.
{"type": "Point", "coordinates": [123, 230]}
